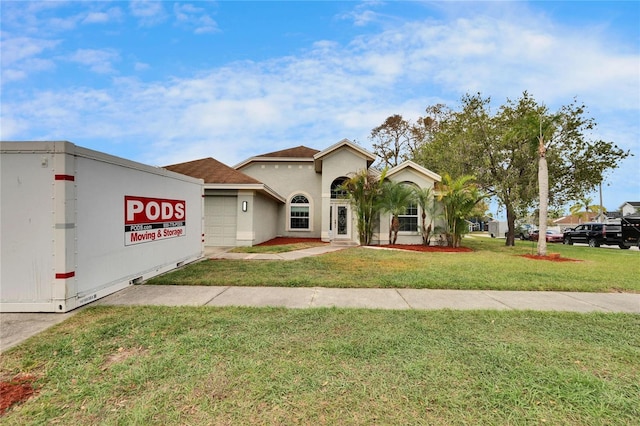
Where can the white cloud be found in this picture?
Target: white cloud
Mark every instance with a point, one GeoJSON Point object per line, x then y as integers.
{"type": "Point", "coordinates": [20, 57]}
{"type": "Point", "coordinates": [499, 57]}
{"type": "Point", "coordinates": [11, 75]}
{"type": "Point", "coordinates": [102, 17]}
{"type": "Point", "coordinates": [331, 90]}
{"type": "Point", "coordinates": [17, 49]}
{"type": "Point", "coordinates": [148, 12]}
{"type": "Point", "coordinates": [194, 17]}
{"type": "Point", "coordinates": [141, 66]}
{"type": "Point", "coordinates": [97, 60]}
{"type": "Point", "coordinates": [363, 14]}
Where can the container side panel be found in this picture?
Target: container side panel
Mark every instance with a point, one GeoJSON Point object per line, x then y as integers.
{"type": "Point", "coordinates": [108, 251]}
{"type": "Point", "coordinates": [26, 227]}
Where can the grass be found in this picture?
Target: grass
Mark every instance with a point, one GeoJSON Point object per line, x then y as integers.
{"type": "Point", "coordinates": [159, 365]}
{"type": "Point", "coordinates": [491, 266]}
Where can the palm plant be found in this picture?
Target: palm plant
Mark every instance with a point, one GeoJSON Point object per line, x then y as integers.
{"type": "Point", "coordinates": [426, 201]}
{"type": "Point", "coordinates": [364, 190]}
{"type": "Point", "coordinates": [459, 197]}
{"type": "Point", "coordinates": [396, 197]}
{"type": "Point", "coordinates": [583, 206]}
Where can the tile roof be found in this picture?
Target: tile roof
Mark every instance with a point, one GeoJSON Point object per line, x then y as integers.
{"type": "Point", "coordinates": [297, 152]}
{"type": "Point", "coordinates": [576, 219]}
{"type": "Point", "coordinates": [212, 171]}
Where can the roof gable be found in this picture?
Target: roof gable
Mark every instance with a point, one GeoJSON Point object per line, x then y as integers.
{"type": "Point", "coordinates": [344, 143]}
{"type": "Point", "coordinates": [212, 171]}
{"type": "Point", "coordinates": [417, 168]}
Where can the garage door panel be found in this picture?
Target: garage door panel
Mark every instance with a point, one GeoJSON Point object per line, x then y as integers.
{"type": "Point", "coordinates": [220, 221]}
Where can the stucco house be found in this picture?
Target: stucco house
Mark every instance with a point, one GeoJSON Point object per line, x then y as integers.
{"type": "Point", "coordinates": [571, 221]}
{"type": "Point", "coordinates": [630, 208]}
{"type": "Point", "coordinates": [295, 193]}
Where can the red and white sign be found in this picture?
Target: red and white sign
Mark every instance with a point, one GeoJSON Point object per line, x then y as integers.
{"type": "Point", "coordinates": [153, 219]}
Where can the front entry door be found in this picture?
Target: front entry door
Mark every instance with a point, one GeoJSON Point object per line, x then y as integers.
{"type": "Point", "coordinates": [341, 221]}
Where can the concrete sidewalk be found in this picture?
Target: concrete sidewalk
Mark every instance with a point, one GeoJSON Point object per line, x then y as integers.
{"type": "Point", "coordinates": [15, 328]}
{"type": "Point", "coordinates": [376, 298]}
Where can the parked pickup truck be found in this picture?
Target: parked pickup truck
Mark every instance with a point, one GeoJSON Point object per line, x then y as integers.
{"type": "Point", "coordinates": [624, 233]}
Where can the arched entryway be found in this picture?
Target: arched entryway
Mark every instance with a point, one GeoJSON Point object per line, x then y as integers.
{"type": "Point", "coordinates": [340, 221]}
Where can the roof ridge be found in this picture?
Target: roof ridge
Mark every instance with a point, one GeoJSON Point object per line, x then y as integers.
{"type": "Point", "coordinates": [212, 171]}
{"type": "Point", "coordinates": [299, 151]}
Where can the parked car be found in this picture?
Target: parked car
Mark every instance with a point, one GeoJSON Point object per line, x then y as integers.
{"type": "Point", "coordinates": [623, 233]}
{"type": "Point", "coordinates": [587, 233]}
{"type": "Point", "coordinates": [524, 232]}
{"type": "Point", "coordinates": [552, 236]}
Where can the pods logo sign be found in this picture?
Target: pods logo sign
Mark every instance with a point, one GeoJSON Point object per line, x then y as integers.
{"type": "Point", "coordinates": [152, 219]}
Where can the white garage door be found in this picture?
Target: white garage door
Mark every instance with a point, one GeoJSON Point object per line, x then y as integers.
{"type": "Point", "coordinates": [220, 215]}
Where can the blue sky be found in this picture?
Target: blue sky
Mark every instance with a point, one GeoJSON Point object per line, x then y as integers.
{"type": "Point", "coordinates": [162, 82]}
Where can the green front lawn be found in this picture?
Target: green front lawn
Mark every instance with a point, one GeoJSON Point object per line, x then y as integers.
{"type": "Point", "coordinates": [244, 366]}
{"type": "Point", "coordinates": [490, 266]}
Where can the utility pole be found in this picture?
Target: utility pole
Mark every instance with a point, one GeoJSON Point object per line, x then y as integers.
{"type": "Point", "coordinates": [601, 210]}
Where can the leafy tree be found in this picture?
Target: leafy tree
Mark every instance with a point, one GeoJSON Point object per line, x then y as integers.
{"type": "Point", "coordinates": [390, 140]}
{"type": "Point", "coordinates": [458, 197]}
{"type": "Point", "coordinates": [504, 151]}
{"type": "Point", "coordinates": [395, 198]}
{"type": "Point", "coordinates": [364, 190]}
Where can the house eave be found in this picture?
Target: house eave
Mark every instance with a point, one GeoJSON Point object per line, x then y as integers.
{"type": "Point", "coordinates": [369, 157]}
{"type": "Point", "coordinates": [273, 160]}
{"type": "Point", "coordinates": [257, 187]}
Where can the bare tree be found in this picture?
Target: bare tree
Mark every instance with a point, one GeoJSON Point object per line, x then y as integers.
{"type": "Point", "coordinates": [390, 140]}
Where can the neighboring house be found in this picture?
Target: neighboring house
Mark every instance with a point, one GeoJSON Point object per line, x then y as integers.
{"type": "Point", "coordinates": [575, 220]}
{"type": "Point", "coordinates": [295, 193]}
{"type": "Point", "coordinates": [613, 215]}
{"type": "Point", "coordinates": [630, 208]}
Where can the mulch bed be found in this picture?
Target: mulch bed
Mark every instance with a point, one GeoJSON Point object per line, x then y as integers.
{"type": "Point", "coordinates": [279, 241]}
{"type": "Point", "coordinates": [550, 258]}
{"type": "Point", "coordinates": [428, 249]}
{"type": "Point", "coordinates": [16, 390]}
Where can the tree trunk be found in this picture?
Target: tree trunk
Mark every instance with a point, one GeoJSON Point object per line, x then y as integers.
{"type": "Point", "coordinates": [395, 227]}
{"type": "Point", "coordinates": [511, 225]}
{"type": "Point", "coordinates": [425, 231]}
{"type": "Point", "coordinates": [543, 187]}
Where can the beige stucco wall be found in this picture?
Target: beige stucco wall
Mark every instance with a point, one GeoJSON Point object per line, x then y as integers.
{"type": "Point", "coordinates": [268, 219]}
{"type": "Point", "coordinates": [340, 163]}
{"type": "Point", "coordinates": [264, 212]}
{"type": "Point", "coordinates": [289, 179]}
{"type": "Point", "coordinates": [406, 175]}
{"type": "Point", "coordinates": [256, 225]}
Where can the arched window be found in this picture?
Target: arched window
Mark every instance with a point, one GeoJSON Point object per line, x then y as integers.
{"type": "Point", "coordinates": [409, 220]}
{"type": "Point", "coordinates": [299, 209]}
{"type": "Point", "coordinates": [337, 192]}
